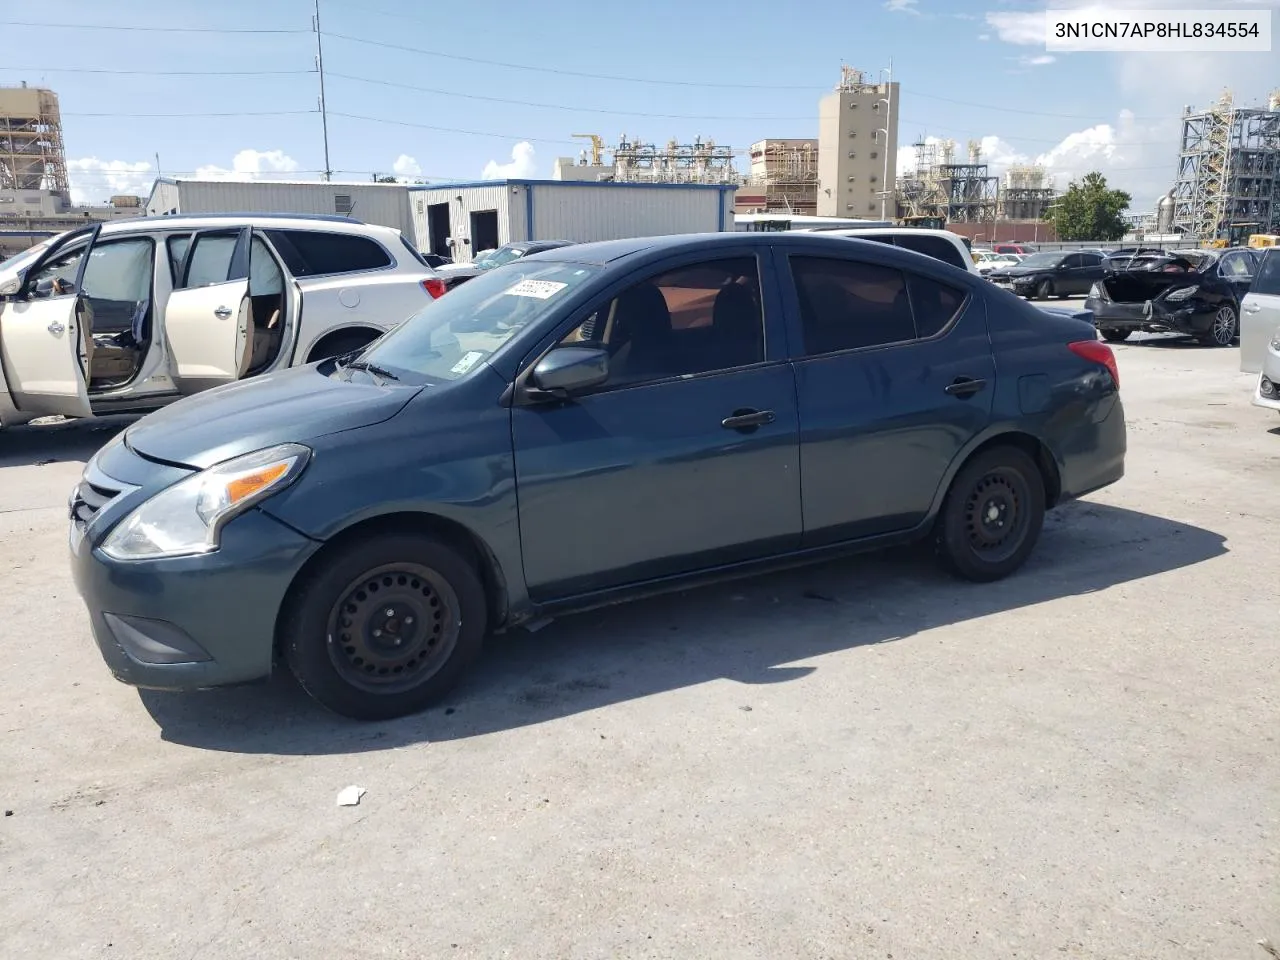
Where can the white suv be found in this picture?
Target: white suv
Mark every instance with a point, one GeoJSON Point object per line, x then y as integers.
{"type": "Point", "coordinates": [167, 306]}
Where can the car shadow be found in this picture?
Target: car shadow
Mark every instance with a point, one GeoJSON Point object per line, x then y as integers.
{"type": "Point", "coordinates": [752, 632]}
{"type": "Point", "coordinates": [53, 441]}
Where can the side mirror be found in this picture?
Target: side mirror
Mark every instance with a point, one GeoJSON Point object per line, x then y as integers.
{"type": "Point", "coordinates": [13, 286]}
{"type": "Point", "coordinates": [567, 370]}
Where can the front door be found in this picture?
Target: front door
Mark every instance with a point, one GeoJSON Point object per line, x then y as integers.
{"type": "Point", "coordinates": [208, 320]}
{"type": "Point", "coordinates": [894, 376]}
{"type": "Point", "coordinates": [484, 231]}
{"type": "Point", "coordinates": [1087, 272]}
{"type": "Point", "coordinates": [46, 332]}
{"type": "Point", "coordinates": [686, 458]}
{"type": "Point", "coordinates": [1238, 268]}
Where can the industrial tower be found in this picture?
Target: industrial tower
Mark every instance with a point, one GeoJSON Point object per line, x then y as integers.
{"type": "Point", "coordinates": [1228, 182]}
{"type": "Point", "coordinates": [32, 156]}
{"type": "Point", "coordinates": [940, 187]}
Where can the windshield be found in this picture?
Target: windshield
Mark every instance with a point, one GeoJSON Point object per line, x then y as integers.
{"type": "Point", "coordinates": [23, 259]}
{"type": "Point", "coordinates": [498, 258]}
{"type": "Point", "coordinates": [450, 336]}
{"type": "Point", "coordinates": [1042, 260]}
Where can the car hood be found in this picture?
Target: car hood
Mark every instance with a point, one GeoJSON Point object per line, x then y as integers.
{"type": "Point", "coordinates": [290, 406]}
{"type": "Point", "coordinates": [1018, 271]}
{"type": "Point", "coordinates": [452, 268]}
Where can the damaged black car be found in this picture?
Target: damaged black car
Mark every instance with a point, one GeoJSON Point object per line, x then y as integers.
{"type": "Point", "coordinates": [1192, 292]}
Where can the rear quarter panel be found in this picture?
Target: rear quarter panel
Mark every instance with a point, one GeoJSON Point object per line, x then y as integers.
{"type": "Point", "coordinates": [379, 300]}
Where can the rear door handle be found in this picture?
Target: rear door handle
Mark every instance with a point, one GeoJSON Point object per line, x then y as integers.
{"type": "Point", "coordinates": [964, 386]}
{"type": "Point", "coordinates": [748, 420]}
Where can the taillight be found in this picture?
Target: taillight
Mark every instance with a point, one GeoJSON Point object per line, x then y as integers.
{"type": "Point", "coordinates": [435, 287]}
{"type": "Point", "coordinates": [1097, 352]}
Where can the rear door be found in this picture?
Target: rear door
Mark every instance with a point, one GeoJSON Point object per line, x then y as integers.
{"type": "Point", "coordinates": [207, 321]}
{"type": "Point", "coordinates": [1260, 312]}
{"type": "Point", "coordinates": [894, 376]}
{"type": "Point", "coordinates": [45, 332]}
{"type": "Point", "coordinates": [1237, 268]}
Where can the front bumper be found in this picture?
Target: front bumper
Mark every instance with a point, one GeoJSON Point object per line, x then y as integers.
{"type": "Point", "coordinates": [1266, 392]}
{"type": "Point", "coordinates": [1149, 317]}
{"type": "Point", "coordinates": [1022, 286]}
{"type": "Point", "coordinates": [187, 622]}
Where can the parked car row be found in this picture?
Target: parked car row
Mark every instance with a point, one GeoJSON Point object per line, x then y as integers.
{"type": "Point", "coordinates": [368, 519]}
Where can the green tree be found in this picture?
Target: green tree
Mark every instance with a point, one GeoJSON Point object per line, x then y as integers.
{"type": "Point", "coordinates": [1089, 211]}
{"type": "Point", "coordinates": [378, 179]}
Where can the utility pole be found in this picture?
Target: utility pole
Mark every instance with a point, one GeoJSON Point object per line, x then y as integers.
{"type": "Point", "coordinates": [888, 186]}
{"type": "Point", "coordinates": [324, 116]}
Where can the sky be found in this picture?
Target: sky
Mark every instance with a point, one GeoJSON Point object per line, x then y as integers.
{"type": "Point", "coordinates": [461, 91]}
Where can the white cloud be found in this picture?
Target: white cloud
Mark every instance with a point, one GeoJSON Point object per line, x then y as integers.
{"type": "Point", "coordinates": [522, 164]}
{"type": "Point", "coordinates": [406, 166]}
{"type": "Point", "coordinates": [94, 180]}
{"type": "Point", "coordinates": [1024, 29]}
{"type": "Point", "coordinates": [1042, 60]}
{"type": "Point", "coordinates": [901, 6]}
{"type": "Point", "coordinates": [251, 164]}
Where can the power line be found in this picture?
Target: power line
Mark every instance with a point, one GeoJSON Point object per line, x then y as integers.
{"type": "Point", "coordinates": [233, 113]}
{"type": "Point", "coordinates": [160, 73]}
{"type": "Point", "coordinates": [133, 29]}
{"type": "Point", "coordinates": [472, 133]}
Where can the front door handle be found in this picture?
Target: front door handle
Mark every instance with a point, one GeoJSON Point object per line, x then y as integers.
{"type": "Point", "coordinates": [748, 420]}
{"type": "Point", "coordinates": [1251, 308]}
{"type": "Point", "coordinates": [964, 386]}
{"type": "Point", "coordinates": [56, 328]}
{"type": "Point", "coordinates": [222, 313]}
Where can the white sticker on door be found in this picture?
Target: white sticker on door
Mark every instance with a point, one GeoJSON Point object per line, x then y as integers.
{"type": "Point", "coordinates": [468, 361]}
{"type": "Point", "coordinates": [538, 289]}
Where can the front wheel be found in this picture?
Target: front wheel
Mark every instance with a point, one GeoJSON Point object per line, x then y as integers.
{"type": "Point", "coordinates": [385, 627]}
{"type": "Point", "coordinates": [1223, 329]}
{"type": "Point", "coordinates": [1115, 336]}
{"type": "Point", "coordinates": [992, 516]}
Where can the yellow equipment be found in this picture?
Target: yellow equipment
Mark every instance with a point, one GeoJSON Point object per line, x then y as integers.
{"type": "Point", "coordinates": [597, 146]}
{"type": "Point", "coordinates": [1261, 240]}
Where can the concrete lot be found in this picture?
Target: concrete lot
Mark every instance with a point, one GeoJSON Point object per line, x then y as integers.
{"type": "Point", "coordinates": [860, 760]}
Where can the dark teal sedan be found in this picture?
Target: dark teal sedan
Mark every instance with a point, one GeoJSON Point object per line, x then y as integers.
{"type": "Point", "coordinates": [576, 428]}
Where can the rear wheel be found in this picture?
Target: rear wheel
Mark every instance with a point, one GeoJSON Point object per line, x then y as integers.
{"type": "Point", "coordinates": [992, 516]}
{"type": "Point", "coordinates": [1115, 336]}
{"type": "Point", "coordinates": [1223, 329]}
{"type": "Point", "coordinates": [386, 627]}
{"type": "Point", "coordinates": [1044, 290]}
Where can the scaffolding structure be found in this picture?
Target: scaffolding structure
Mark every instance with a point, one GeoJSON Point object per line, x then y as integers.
{"type": "Point", "coordinates": [32, 155]}
{"type": "Point", "coordinates": [703, 161]}
{"type": "Point", "coordinates": [786, 171]}
{"type": "Point", "coordinates": [1026, 194]}
{"type": "Point", "coordinates": [940, 187]}
{"type": "Point", "coordinates": [1228, 183]}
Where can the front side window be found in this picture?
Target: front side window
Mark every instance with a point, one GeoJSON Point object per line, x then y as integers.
{"type": "Point", "coordinates": [1237, 266]}
{"type": "Point", "coordinates": [449, 337]}
{"type": "Point", "coordinates": [847, 304]}
{"type": "Point", "coordinates": [120, 271]}
{"type": "Point", "coordinates": [313, 253]}
{"type": "Point", "coordinates": [58, 276]}
{"type": "Point", "coordinates": [1268, 279]}
{"type": "Point", "coordinates": [691, 320]}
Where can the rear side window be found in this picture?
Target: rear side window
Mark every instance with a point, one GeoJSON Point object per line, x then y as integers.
{"type": "Point", "coordinates": [1268, 279]}
{"type": "Point", "coordinates": [934, 247]}
{"type": "Point", "coordinates": [311, 253]}
{"type": "Point", "coordinates": [210, 260]}
{"type": "Point", "coordinates": [934, 304]}
{"type": "Point", "coordinates": [845, 304]}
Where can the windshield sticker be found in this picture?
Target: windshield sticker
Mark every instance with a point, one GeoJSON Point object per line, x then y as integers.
{"type": "Point", "coordinates": [468, 361]}
{"type": "Point", "coordinates": [538, 289]}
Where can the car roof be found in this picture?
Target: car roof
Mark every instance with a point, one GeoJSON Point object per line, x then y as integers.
{"type": "Point", "coordinates": [198, 221]}
{"type": "Point", "coordinates": [606, 252]}
{"type": "Point", "coordinates": [887, 232]}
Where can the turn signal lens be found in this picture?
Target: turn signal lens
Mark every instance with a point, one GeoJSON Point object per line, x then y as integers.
{"type": "Point", "coordinates": [247, 486]}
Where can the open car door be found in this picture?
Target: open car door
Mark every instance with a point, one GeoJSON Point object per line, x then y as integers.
{"type": "Point", "coordinates": [46, 329]}
{"type": "Point", "coordinates": [208, 321]}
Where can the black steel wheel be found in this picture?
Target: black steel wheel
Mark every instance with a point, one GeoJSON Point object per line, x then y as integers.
{"type": "Point", "coordinates": [1115, 336]}
{"type": "Point", "coordinates": [384, 627]}
{"type": "Point", "coordinates": [1223, 328]}
{"type": "Point", "coordinates": [992, 516]}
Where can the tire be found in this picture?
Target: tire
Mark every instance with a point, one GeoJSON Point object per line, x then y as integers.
{"type": "Point", "coordinates": [1224, 328]}
{"type": "Point", "coordinates": [341, 344]}
{"type": "Point", "coordinates": [1115, 336]}
{"type": "Point", "coordinates": [968, 542]}
{"type": "Point", "coordinates": [1044, 290]}
{"type": "Point", "coordinates": [412, 588]}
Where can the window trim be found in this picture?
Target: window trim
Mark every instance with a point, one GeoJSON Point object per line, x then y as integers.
{"type": "Point", "coordinates": [578, 316]}
{"type": "Point", "coordinates": [800, 354]}
{"type": "Point", "coordinates": [269, 233]}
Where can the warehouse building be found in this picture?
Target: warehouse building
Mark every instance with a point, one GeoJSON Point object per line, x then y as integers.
{"type": "Point", "coordinates": [459, 220]}
{"type": "Point", "coordinates": [381, 203]}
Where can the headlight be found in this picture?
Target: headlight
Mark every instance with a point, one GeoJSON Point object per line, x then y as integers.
{"type": "Point", "coordinates": [1275, 341]}
{"type": "Point", "coordinates": [1185, 293]}
{"type": "Point", "coordinates": [186, 518]}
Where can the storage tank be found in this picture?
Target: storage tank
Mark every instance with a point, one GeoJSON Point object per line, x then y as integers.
{"type": "Point", "coordinates": [1164, 213]}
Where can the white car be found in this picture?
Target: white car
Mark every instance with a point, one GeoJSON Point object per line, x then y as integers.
{"type": "Point", "coordinates": [988, 261]}
{"type": "Point", "coordinates": [1260, 330]}
{"type": "Point", "coordinates": [940, 244]}
{"type": "Point", "coordinates": [162, 307]}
